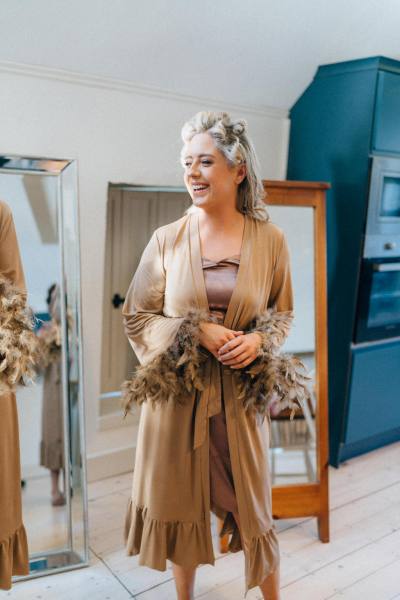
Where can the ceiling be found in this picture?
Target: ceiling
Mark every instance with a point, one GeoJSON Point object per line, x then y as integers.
{"type": "Point", "coordinates": [259, 53]}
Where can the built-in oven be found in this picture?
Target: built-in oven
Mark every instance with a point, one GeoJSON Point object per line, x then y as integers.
{"type": "Point", "coordinates": [378, 305]}
{"type": "Point", "coordinates": [378, 311]}
{"type": "Point", "coordinates": [382, 231]}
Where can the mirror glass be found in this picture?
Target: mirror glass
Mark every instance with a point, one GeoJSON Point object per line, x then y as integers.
{"type": "Point", "coordinates": [293, 456]}
{"type": "Point", "coordinates": [42, 196]}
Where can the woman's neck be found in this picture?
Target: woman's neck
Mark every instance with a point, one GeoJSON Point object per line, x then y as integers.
{"type": "Point", "coordinates": [221, 220]}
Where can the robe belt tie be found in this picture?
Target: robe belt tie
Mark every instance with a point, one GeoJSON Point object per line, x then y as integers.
{"type": "Point", "coordinates": [209, 403]}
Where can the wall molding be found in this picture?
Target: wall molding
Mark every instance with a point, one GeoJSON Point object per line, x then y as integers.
{"type": "Point", "coordinates": [121, 85]}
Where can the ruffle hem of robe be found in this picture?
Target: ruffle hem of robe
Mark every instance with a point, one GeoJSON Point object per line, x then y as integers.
{"type": "Point", "coordinates": [156, 541]}
{"type": "Point", "coordinates": [14, 558]}
{"type": "Point", "coordinates": [263, 556]}
{"type": "Point", "coordinates": [52, 455]}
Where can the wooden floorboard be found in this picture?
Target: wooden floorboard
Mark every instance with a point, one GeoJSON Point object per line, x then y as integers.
{"type": "Point", "coordinates": [361, 562]}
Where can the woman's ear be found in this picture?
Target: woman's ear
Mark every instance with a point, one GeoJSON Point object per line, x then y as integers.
{"type": "Point", "coordinates": [241, 173]}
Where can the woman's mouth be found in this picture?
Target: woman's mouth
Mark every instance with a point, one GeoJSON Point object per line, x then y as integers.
{"type": "Point", "coordinates": [199, 189]}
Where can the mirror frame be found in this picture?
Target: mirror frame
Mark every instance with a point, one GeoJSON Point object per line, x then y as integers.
{"type": "Point", "coordinates": [310, 499]}
{"type": "Point", "coordinates": [75, 554]}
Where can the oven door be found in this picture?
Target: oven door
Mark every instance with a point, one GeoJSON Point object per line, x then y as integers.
{"type": "Point", "coordinates": [378, 310]}
{"type": "Point", "coordinates": [382, 235]}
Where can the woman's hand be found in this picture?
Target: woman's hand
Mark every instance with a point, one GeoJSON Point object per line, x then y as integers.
{"type": "Point", "coordinates": [213, 336]}
{"type": "Point", "coordinates": [240, 351]}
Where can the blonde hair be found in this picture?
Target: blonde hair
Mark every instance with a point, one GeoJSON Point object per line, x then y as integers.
{"type": "Point", "coordinates": [231, 138]}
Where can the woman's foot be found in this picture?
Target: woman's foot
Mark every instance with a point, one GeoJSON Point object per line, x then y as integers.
{"type": "Point", "coordinates": [58, 499]}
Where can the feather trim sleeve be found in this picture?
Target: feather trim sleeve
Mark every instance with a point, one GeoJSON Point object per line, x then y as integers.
{"type": "Point", "coordinates": [148, 329]}
{"type": "Point", "coordinates": [273, 377]}
{"type": "Point", "coordinates": [18, 342]}
{"type": "Point", "coordinates": [49, 345]}
{"type": "Point", "coordinates": [173, 373]}
{"type": "Point", "coordinates": [167, 347]}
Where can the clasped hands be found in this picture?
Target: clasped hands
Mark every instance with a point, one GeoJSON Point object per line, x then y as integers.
{"type": "Point", "coordinates": [235, 349]}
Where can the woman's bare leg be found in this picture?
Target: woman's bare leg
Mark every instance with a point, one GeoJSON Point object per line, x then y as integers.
{"type": "Point", "coordinates": [184, 581]}
{"type": "Point", "coordinates": [57, 497]}
{"type": "Point", "coordinates": [270, 585]}
{"type": "Point", "coordinates": [54, 482]}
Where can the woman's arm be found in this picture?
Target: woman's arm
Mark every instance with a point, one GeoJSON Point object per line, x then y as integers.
{"type": "Point", "coordinates": [275, 378]}
{"type": "Point", "coordinates": [10, 260]}
{"type": "Point", "coordinates": [274, 325]}
{"type": "Point", "coordinates": [168, 348]}
{"type": "Point", "coordinates": [18, 343]}
{"type": "Point", "coordinates": [148, 330]}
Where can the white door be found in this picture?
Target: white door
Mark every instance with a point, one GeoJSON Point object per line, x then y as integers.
{"type": "Point", "coordinates": [132, 216]}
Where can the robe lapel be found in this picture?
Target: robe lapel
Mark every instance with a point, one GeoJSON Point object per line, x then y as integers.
{"type": "Point", "coordinates": [195, 262]}
{"type": "Point", "coordinates": [204, 397]}
{"type": "Point", "coordinates": [233, 311]}
{"type": "Point", "coordinates": [209, 403]}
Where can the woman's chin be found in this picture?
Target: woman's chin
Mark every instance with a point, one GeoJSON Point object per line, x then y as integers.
{"type": "Point", "coordinates": [200, 201]}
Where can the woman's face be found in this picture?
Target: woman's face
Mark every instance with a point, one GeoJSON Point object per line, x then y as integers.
{"type": "Point", "coordinates": [210, 180]}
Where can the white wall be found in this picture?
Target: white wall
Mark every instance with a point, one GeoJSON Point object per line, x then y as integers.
{"type": "Point", "coordinates": [117, 135]}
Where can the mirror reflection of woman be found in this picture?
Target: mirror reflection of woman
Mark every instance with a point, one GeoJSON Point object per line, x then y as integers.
{"type": "Point", "coordinates": [197, 314]}
{"type": "Point", "coordinates": [14, 559]}
{"type": "Point", "coordinates": [52, 442]}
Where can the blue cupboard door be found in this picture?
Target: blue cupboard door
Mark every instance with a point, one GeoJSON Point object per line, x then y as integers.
{"type": "Point", "coordinates": [374, 399]}
{"type": "Point", "coordinates": [386, 131]}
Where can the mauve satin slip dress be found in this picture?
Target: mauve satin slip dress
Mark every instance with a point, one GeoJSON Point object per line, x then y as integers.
{"type": "Point", "coordinates": [220, 279]}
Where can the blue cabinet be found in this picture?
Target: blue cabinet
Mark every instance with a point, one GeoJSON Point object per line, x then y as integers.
{"type": "Point", "coordinates": [386, 131]}
{"type": "Point", "coordinates": [349, 111]}
{"type": "Point", "coordinates": [374, 392]}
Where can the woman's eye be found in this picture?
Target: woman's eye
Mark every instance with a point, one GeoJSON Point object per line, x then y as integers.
{"type": "Point", "coordinates": [203, 162]}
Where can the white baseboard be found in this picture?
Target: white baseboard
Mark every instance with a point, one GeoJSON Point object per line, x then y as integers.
{"type": "Point", "coordinates": [115, 421]}
{"type": "Point", "coordinates": [110, 462]}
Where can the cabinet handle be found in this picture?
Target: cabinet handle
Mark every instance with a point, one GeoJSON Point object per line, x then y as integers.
{"type": "Point", "coordinates": [395, 266]}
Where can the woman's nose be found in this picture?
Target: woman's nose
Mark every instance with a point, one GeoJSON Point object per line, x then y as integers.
{"type": "Point", "coordinates": [193, 170]}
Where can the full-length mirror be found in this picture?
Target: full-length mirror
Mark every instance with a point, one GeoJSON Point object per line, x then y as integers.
{"type": "Point", "coordinates": [301, 481]}
{"type": "Point", "coordinates": [42, 196]}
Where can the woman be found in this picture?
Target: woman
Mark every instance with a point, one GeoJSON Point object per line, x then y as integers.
{"type": "Point", "coordinates": [14, 558]}
{"type": "Point", "coordinates": [52, 442]}
{"type": "Point", "coordinates": [199, 317]}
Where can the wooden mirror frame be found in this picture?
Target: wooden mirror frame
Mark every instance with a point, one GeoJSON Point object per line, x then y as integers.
{"type": "Point", "coordinates": [308, 499]}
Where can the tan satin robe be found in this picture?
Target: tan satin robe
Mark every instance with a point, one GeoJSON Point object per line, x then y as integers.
{"type": "Point", "coordinates": [169, 513]}
{"type": "Point", "coordinates": [13, 544]}
{"type": "Point", "coordinates": [52, 442]}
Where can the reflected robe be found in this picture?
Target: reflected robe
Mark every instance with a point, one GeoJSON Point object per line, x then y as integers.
{"type": "Point", "coordinates": [14, 558]}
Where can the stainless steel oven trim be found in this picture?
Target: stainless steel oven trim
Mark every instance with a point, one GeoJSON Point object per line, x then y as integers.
{"type": "Point", "coordinates": [393, 266]}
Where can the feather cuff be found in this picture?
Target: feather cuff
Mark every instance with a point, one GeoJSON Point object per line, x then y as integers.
{"type": "Point", "coordinates": [273, 378]}
{"type": "Point", "coordinates": [173, 373]}
{"type": "Point", "coordinates": [49, 345]}
{"type": "Point", "coordinates": [18, 342]}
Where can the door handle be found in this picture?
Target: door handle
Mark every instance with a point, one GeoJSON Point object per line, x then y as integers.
{"type": "Point", "coordinates": [117, 300]}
